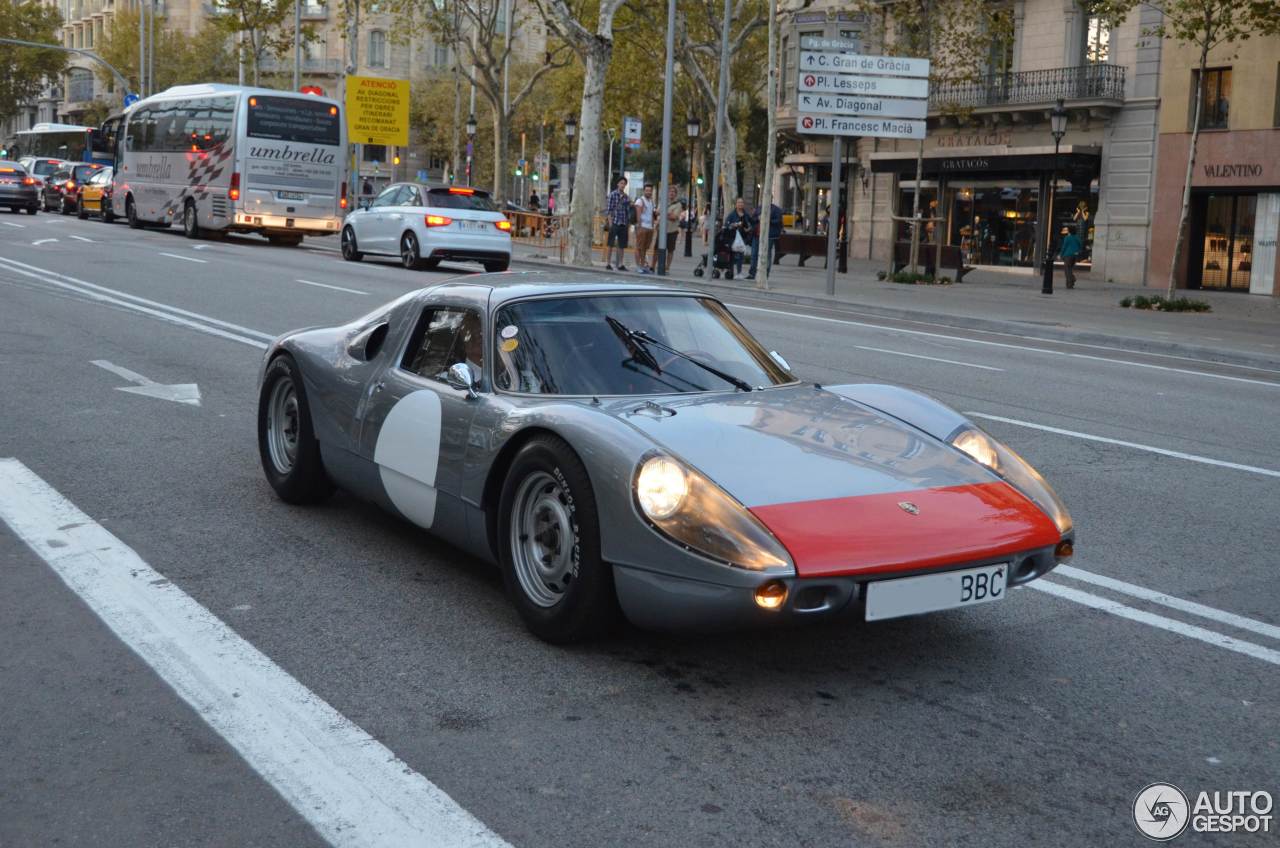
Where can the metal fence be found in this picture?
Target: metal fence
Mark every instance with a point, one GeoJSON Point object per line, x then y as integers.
{"type": "Point", "coordinates": [1085, 82]}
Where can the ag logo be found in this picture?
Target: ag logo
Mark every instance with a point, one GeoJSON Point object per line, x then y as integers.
{"type": "Point", "coordinates": [908, 507]}
{"type": "Point", "coordinates": [807, 122]}
{"type": "Point", "coordinates": [810, 79]}
{"type": "Point", "coordinates": [1161, 811]}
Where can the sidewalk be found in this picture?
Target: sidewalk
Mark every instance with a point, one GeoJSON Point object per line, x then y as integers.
{"type": "Point", "coordinates": [1242, 329]}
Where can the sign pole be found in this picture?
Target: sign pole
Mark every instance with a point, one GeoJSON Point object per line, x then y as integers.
{"type": "Point", "coordinates": [833, 215]}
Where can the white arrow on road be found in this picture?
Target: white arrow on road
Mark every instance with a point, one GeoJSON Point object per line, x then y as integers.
{"type": "Point", "coordinates": [188, 393]}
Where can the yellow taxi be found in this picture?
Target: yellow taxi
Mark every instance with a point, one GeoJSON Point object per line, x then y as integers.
{"type": "Point", "coordinates": [95, 196]}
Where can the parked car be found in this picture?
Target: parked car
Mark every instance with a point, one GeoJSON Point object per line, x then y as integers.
{"type": "Point", "coordinates": [424, 225]}
{"type": "Point", "coordinates": [627, 449]}
{"type": "Point", "coordinates": [18, 188]}
{"type": "Point", "coordinates": [61, 189]}
{"type": "Point", "coordinates": [94, 196]}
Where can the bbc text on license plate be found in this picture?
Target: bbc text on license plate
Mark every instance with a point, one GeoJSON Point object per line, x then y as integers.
{"type": "Point", "coordinates": [938, 591]}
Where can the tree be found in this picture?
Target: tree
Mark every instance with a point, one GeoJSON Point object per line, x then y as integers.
{"type": "Point", "coordinates": [1205, 25]}
{"type": "Point", "coordinates": [595, 48]}
{"type": "Point", "coordinates": [771, 104]}
{"type": "Point", "coordinates": [266, 27]}
{"type": "Point", "coordinates": [180, 58]}
{"type": "Point", "coordinates": [23, 70]}
{"type": "Point", "coordinates": [476, 31]}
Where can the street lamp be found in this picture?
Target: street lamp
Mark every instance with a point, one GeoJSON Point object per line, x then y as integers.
{"type": "Point", "coordinates": [1058, 128]}
{"type": "Point", "coordinates": [471, 138]}
{"type": "Point", "coordinates": [570, 130]}
{"type": "Point", "coordinates": [693, 127]}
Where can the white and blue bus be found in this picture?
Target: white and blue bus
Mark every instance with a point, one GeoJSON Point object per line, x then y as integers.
{"type": "Point", "coordinates": [68, 142]}
{"type": "Point", "coordinates": [225, 158]}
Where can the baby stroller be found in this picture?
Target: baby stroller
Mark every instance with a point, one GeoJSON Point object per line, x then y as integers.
{"type": "Point", "coordinates": [721, 256]}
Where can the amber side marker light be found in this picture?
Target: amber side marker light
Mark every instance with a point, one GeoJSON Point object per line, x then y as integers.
{"type": "Point", "coordinates": [771, 595]}
{"type": "Point", "coordinates": [1064, 550]}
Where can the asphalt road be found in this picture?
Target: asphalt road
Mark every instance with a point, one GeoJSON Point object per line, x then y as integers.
{"type": "Point", "coordinates": [1034, 721]}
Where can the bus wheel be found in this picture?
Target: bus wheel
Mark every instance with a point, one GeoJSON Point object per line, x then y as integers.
{"type": "Point", "coordinates": [190, 221]}
{"type": "Point", "coordinates": [131, 214]}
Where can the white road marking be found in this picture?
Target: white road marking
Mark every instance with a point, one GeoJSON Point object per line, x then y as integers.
{"type": "Point", "coordinates": [327, 286]}
{"type": "Point", "coordinates": [1045, 350]}
{"type": "Point", "coordinates": [199, 247]}
{"type": "Point", "coordinates": [185, 258]}
{"type": "Point", "coordinates": [11, 224]}
{"type": "Point", "coordinates": [82, 238]}
{"type": "Point", "coordinates": [87, 289]}
{"type": "Point", "coordinates": [39, 242]}
{"type": "Point", "coordinates": [930, 358]}
{"type": "Point", "coordinates": [350, 787]}
{"type": "Point", "coordinates": [185, 393]}
{"type": "Point", "coordinates": [1089, 437]}
{"type": "Point", "coordinates": [1191, 631]}
{"type": "Point", "coordinates": [1221, 616]}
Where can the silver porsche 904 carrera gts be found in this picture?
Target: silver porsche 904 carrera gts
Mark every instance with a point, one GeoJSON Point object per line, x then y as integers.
{"type": "Point", "coordinates": [622, 447]}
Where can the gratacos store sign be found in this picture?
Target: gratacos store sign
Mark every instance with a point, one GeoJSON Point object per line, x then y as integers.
{"type": "Point", "coordinates": [378, 111]}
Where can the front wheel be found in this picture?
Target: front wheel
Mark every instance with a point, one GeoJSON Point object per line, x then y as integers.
{"type": "Point", "coordinates": [549, 545]}
{"type": "Point", "coordinates": [287, 442]}
{"type": "Point", "coordinates": [350, 250]}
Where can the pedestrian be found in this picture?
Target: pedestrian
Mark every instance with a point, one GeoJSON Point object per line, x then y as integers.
{"type": "Point", "coordinates": [367, 188]}
{"type": "Point", "coordinates": [775, 231]}
{"type": "Point", "coordinates": [534, 203]}
{"type": "Point", "coordinates": [646, 217]}
{"type": "Point", "coordinates": [618, 217]}
{"type": "Point", "coordinates": [551, 203]}
{"type": "Point", "coordinates": [741, 223]}
{"type": "Point", "coordinates": [1070, 251]}
{"type": "Point", "coordinates": [674, 211]}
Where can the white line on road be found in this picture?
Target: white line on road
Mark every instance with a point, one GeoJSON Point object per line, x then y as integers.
{"type": "Point", "coordinates": [1089, 437]}
{"type": "Point", "coordinates": [930, 358]}
{"type": "Point", "coordinates": [87, 289]}
{"type": "Point", "coordinates": [82, 238]}
{"type": "Point", "coordinates": [327, 286]}
{"type": "Point", "coordinates": [11, 224]}
{"type": "Point", "coordinates": [346, 784]}
{"type": "Point", "coordinates": [1191, 631]}
{"type": "Point", "coordinates": [1045, 350]}
{"type": "Point", "coordinates": [185, 258]}
{"type": "Point", "coordinates": [1220, 616]}
{"type": "Point", "coordinates": [199, 247]}
{"type": "Point", "coordinates": [39, 242]}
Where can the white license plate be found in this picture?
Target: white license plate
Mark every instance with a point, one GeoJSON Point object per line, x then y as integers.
{"type": "Point", "coordinates": [291, 195]}
{"type": "Point", "coordinates": [475, 225]}
{"type": "Point", "coordinates": [933, 592]}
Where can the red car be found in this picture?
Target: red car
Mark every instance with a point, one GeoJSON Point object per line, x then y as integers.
{"type": "Point", "coordinates": [62, 190]}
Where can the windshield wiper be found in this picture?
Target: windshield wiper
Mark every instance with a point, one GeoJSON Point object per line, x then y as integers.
{"type": "Point", "coordinates": [638, 340]}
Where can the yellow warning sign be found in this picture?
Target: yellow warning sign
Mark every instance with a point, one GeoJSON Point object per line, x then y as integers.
{"type": "Point", "coordinates": [377, 110]}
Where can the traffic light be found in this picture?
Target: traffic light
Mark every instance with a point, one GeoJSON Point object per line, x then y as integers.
{"type": "Point", "coordinates": [534, 176]}
{"type": "Point", "coordinates": [519, 171]}
{"type": "Point", "coordinates": [396, 160]}
{"type": "Point", "coordinates": [699, 179]}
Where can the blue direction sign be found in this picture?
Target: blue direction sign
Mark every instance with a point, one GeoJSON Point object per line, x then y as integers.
{"type": "Point", "coordinates": [130, 99]}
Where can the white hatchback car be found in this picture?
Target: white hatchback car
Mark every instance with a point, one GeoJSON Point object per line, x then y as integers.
{"type": "Point", "coordinates": [425, 225]}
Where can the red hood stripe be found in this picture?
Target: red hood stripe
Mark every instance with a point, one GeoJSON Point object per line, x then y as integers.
{"type": "Point", "coordinates": [869, 534]}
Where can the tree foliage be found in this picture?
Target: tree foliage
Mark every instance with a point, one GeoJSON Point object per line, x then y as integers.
{"type": "Point", "coordinates": [23, 69]}
{"type": "Point", "coordinates": [266, 27]}
{"type": "Point", "coordinates": [180, 58]}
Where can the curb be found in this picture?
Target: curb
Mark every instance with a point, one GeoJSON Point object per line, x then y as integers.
{"type": "Point", "coordinates": [1018, 328]}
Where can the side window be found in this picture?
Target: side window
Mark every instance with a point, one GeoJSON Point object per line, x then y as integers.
{"type": "Point", "coordinates": [387, 198]}
{"type": "Point", "coordinates": [411, 197]}
{"type": "Point", "coordinates": [444, 337]}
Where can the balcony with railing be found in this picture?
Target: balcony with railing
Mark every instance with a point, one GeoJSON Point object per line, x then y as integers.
{"type": "Point", "coordinates": [1099, 84]}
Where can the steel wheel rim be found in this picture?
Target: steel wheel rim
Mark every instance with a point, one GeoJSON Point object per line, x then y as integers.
{"type": "Point", "coordinates": [283, 422]}
{"type": "Point", "coordinates": [542, 539]}
{"type": "Point", "coordinates": [408, 250]}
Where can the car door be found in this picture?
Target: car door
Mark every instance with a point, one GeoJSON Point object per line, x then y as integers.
{"type": "Point", "coordinates": [408, 205]}
{"type": "Point", "coordinates": [415, 426]}
{"type": "Point", "coordinates": [372, 225]}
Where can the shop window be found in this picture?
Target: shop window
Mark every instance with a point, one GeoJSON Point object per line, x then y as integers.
{"type": "Point", "coordinates": [374, 152]}
{"type": "Point", "coordinates": [1215, 108]}
{"type": "Point", "coordinates": [377, 49]}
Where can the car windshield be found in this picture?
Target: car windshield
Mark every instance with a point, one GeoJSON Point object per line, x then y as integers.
{"type": "Point", "coordinates": [83, 172]}
{"type": "Point", "coordinates": [46, 167]}
{"type": "Point", "coordinates": [566, 346]}
{"type": "Point", "coordinates": [460, 198]}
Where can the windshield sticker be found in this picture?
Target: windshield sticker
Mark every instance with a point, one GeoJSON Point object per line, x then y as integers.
{"type": "Point", "coordinates": [510, 331]}
{"type": "Point", "coordinates": [508, 345]}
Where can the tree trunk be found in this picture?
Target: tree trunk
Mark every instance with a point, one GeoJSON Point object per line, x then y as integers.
{"type": "Point", "coordinates": [771, 149]}
{"type": "Point", "coordinates": [500, 150]}
{"type": "Point", "coordinates": [596, 62]}
{"type": "Point", "coordinates": [729, 162]}
{"type": "Point", "coordinates": [1186, 183]}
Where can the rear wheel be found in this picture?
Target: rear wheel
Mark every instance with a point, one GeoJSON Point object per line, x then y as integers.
{"type": "Point", "coordinates": [66, 208]}
{"type": "Point", "coordinates": [410, 258]}
{"type": "Point", "coordinates": [107, 215]}
{"type": "Point", "coordinates": [190, 220]}
{"type": "Point", "coordinates": [131, 213]}
{"type": "Point", "coordinates": [33, 209]}
{"type": "Point", "coordinates": [350, 251]}
{"type": "Point", "coordinates": [287, 443]}
{"type": "Point", "coordinates": [497, 265]}
{"type": "Point", "coordinates": [549, 544]}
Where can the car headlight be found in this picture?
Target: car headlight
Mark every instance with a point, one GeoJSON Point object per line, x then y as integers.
{"type": "Point", "coordinates": [696, 513]}
{"type": "Point", "coordinates": [1015, 470]}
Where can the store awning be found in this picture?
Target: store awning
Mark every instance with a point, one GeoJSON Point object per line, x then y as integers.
{"type": "Point", "coordinates": [1010, 162]}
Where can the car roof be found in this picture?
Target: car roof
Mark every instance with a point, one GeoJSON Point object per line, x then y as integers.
{"type": "Point", "coordinates": [513, 285]}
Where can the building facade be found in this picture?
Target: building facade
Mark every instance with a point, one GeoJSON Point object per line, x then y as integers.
{"type": "Point", "coordinates": [1235, 186]}
{"type": "Point", "coordinates": [989, 157]}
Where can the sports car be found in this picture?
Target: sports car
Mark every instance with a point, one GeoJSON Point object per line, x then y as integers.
{"type": "Point", "coordinates": [617, 448]}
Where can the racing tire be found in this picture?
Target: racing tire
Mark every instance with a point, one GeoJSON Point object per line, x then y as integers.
{"type": "Point", "coordinates": [410, 256]}
{"type": "Point", "coordinates": [190, 220]}
{"type": "Point", "coordinates": [287, 442]}
{"type": "Point", "coordinates": [131, 214]}
{"type": "Point", "coordinates": [350, 248]}
{"type": "Point", "coordinates": [498, 266]}
{"type": "Point", "coordinates": [549, 545]}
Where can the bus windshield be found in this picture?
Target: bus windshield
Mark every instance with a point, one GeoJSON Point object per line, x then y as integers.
{"type": "Point", "coordinates": [294, 119]}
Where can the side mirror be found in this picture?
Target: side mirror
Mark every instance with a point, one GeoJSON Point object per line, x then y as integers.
{"type": "Point", "coordinates": [777, 357]}
{"type": "Point", "coordinates": [460, 376]}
